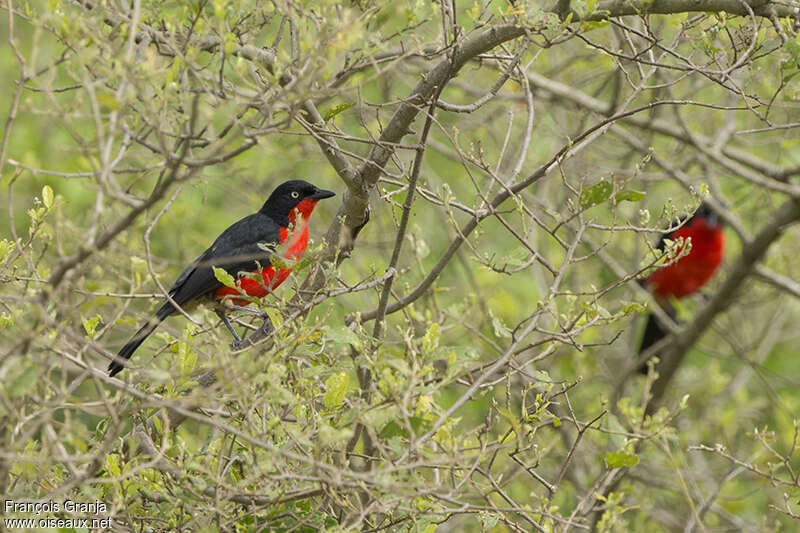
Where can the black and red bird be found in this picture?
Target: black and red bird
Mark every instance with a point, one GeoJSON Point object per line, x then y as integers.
{"type": "Point", "coordinates": [689, 273]}
{"type": "Point", "coordinates": [280, 226]}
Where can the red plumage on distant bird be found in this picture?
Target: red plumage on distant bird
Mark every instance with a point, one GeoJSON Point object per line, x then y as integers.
{"type": "Point", "coordinates": [689, 273]}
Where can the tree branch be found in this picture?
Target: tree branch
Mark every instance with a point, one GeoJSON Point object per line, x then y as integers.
{"type": "Point", "coordinates": [621, 8]}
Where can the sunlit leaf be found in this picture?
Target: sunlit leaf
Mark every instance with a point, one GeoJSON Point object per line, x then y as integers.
{"type": "Point", "coordinates": [336, 388]}
{"type": "Point", "coordinates": [224, 278]}
{"type": "Point", "coordinates": [335, 110]}
{"type": "Point", "coordinates": [596, 194]}
{"type": "Point", "coordinates": [47, 196]}
{"type": "Point", "coordinates": [621, 459]}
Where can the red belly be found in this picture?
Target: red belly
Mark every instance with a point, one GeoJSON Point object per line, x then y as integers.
{"type": "Point", "coordinates": [254, 287]}
{"type": "Point", "coordinates": [686, 275]}
{"type": "Point", "coordinates": [270, 279]}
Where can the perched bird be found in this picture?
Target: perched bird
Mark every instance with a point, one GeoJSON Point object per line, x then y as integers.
{"type": "Point", "coordinates": [279, 227]}
{"type": "Point", "coordinates": [689, 273]}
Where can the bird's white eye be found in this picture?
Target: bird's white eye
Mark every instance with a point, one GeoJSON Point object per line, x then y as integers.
{"type": "Point", "coordinates": [295, 194]}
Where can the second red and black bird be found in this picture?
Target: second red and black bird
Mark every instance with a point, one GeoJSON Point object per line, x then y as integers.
{"type": "Point", "coordinates": [280, 226]}
{"type": "Point", "coordinates": [689, 273]}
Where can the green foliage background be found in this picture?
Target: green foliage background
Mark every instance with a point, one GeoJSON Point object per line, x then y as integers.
{"type": "Point", "coordinates": [292, 437]}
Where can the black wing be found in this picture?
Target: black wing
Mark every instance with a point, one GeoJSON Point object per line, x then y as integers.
{"type": "Point", "coordinates": [238, 249]}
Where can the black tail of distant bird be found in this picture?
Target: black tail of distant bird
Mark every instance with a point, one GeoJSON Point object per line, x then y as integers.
{"type": "Point", "coordinates": [653, 332]}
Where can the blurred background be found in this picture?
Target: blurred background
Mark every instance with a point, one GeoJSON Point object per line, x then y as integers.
{"type": "Point", "coordinates": [502, 393]}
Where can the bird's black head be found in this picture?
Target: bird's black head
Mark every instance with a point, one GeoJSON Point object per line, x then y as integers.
{"type": "Point", "coordinates": [290, 195]}
{"type": "Point", "coordinates": [705, 212]}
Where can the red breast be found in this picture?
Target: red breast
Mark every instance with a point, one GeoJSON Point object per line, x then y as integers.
{"type": "Point", "coordinates": [292, 245]}
{"type": "Point", "coordinates": [686, 275]}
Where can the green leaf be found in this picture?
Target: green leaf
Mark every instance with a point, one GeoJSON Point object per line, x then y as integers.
{"type": "Point", "coordinates": [6, 247]}
{"type": "Point", "coordinates": [279, 262]}
{"type": "Point", "coordinates": [274, 316]}
{"type": "Point", "coordinates": [47, 196]}
{"type": "Point", "coordinates": [431, 339]}
{"type": "Point", "coordinates": [187, 358]}
{"type": "Point", "coordinates": [398, 429]}
{"type": "Point", "coordinates": [629, 195]}
{"type": "Point", "coordinates": [594, 24]}
{"type": "Point", "coordinates": [335, 110]}
{"type": "Point", "coordinates": [112, 464]}
{"type": "Point", "coordinates": [632, 307]}
{"type": "Point", "coordinates": [500, 329]}
{"type": "Point", "coordinates": [344, 335]}
{"type": "Point", "coordinates": [596, 194]}
{"type": "Point", "coordinates": [230, 43]}
{"type": "Point", "coordinates": [336, 388]}
{"type": "Point", "coordinates": [393, 429]}
{"type": "Point", "coordinates": [90, 325]}
{"type": "Point", "coordinates": [621, 459]}
{"type": "Point", "coordinates": [224, 278]}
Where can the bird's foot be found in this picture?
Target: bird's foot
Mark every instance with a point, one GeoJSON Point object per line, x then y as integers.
{"type": "Point", "coordinates": [239, 344]}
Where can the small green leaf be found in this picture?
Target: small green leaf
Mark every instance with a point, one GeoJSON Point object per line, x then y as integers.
{"type": "Point", "coordinates": [230, 43]}
{"type": "Point", "coordinates": [431, 339]}
{"type": "Point", "coordinates": [336, 388]}
{"type": "Point", "coordinates": [112, 464]}
{"type": "Point", "coordinates": [274, 316]}
{"type": "Point", "coordinates": [343, 335]}
{"type": "Point", "coordinates": [632, 307]}
{"type": "Point", "coordinates": [629, 195]}
{"type": "Point", "coordinates": [47, 196]}
{"type": "Point", "coordinates": [280, 262]}
{"type": "Point", "coordinates": [224, 278]}
{"type": "Point", "coordinates": [335, 110]}
{"type": "Point", "coordinates": [398, 428]}
{"type": "Point", "coordinates": [90, 325]}
{"type": "Point", "coordinates": [6, 247]}
{"type": "Point", "coordinates": [500, 329]}
{"type": "Point", "coordinates": [393, 429]}
{"type": "Point", "coordinates": [187, 358]}
{"type": "Point", "coordinates": [596, 194]}
{"type": "Point", "coordinates": [621, 459]}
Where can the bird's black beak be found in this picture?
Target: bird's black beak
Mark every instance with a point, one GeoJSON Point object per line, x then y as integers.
{"type": "Point", "coordinates": [321, 194]}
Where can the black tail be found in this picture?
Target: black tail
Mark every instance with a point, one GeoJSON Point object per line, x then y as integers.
{"type": "Point", "coordinates": [126, 352]}
{"type": "Point", "coordinates": [653, 332]}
